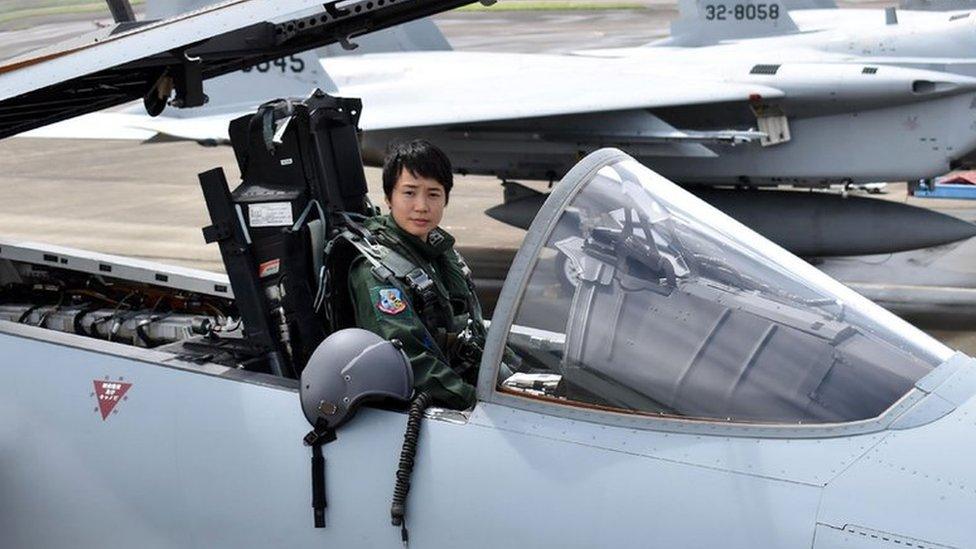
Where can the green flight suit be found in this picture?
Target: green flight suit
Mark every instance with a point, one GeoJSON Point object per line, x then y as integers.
{"type": "Point", "coordinates": [429, 333]}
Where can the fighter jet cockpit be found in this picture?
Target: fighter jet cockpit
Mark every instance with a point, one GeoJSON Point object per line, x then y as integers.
{"type": "Point", "coordinates": [643, 299]}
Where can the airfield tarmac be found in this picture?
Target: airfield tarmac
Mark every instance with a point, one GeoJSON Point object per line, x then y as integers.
{"type": "Point", "coordinates": [144, 201]}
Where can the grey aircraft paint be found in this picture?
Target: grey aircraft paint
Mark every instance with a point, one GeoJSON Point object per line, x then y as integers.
{"type": "Point", "coordinates": [200, 455]}
{"type": "Point", "coordinates": [842, 113]}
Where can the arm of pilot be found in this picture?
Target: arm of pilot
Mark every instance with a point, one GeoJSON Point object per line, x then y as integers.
{"type": "Point", "coordinates": [430, 372]}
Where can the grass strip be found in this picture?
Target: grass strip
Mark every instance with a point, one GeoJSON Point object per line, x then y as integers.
{"type": "Point", "coordinates": [17, 5]}
{"type": "Point", "coordinates": [67, 9]}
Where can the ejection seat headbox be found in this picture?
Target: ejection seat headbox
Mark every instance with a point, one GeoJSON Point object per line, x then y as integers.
{"type": "Point", "coordinates": [309, 145]}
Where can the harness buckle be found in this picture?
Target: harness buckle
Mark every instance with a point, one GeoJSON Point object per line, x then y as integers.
{"type": "Point", "coordinates": [419, 280]}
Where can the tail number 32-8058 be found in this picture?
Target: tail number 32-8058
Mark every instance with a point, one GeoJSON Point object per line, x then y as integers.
{"type": "Point", "coordinates": [741, 12]}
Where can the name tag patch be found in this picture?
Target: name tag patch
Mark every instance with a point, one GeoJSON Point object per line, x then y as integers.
{"type": "Point", "coordinates": [390, 301]}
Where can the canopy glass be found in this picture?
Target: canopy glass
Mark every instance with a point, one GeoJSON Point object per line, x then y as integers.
{"type": "Point", "coordinates": [646, 299]}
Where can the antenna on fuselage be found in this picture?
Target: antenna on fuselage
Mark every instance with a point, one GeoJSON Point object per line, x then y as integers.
{"type": "Point", "coordinates": [891, 16]}
{"type": "Point", "coordinates": [121, 11]}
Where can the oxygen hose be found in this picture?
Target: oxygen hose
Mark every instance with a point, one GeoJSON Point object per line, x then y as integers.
{"type": "Point", "coordinates": [407, 454]}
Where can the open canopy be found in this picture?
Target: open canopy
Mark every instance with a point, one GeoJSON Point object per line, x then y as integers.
{"type": "Point", "coordinates": [646, 299]}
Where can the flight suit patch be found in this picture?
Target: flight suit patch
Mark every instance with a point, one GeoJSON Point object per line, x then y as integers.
{"type": "Point", "coordinates": [435, 237]}
{"type": "Point", "coordinates": [389, 300]}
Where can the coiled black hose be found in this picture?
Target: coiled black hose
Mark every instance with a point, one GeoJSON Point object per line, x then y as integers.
{"type": "Point", "coordinates": [405, 469]}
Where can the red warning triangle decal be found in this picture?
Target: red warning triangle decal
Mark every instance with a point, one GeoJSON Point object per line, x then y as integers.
{"type": "Point", "coordinates": [109, 393]}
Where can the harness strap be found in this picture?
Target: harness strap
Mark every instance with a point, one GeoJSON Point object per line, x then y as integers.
{"type": "Point", "coordinates": [392, 268]}
{"type": "Point", "coordinates": [389, 266]}
{"type": "Point", "coordinates": [474, 306]}
{"type": "Point", "coordinates": [319, 502]}
{"type": "Point", "coordinates": [322, 434]}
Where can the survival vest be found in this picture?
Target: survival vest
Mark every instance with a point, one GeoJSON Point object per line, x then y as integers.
{"type": "Point", "coordinates": [460, 345]}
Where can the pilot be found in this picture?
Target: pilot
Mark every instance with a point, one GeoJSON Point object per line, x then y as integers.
{"type": "Point", "coordinates": [428, 303]}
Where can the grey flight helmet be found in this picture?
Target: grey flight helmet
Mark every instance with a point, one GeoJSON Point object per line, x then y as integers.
{"type": "Point", "coordinates": [350, 367]}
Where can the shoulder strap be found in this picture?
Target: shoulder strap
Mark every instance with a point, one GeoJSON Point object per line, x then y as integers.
{"type": "Point", "coordinates": [391, 267]}
{"type": "Point", "coordinates": [465, 270]}
{"type": "Point", "coordinates": [473, 304]}
{"type": "Point", "coordinates": [387, 264]}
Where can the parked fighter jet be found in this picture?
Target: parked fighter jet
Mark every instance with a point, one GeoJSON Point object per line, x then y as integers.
{"type": "Point", "coordinates": [696, 387]}
{"type": "Point", "coordinates": [915, 39]}
{"type": "Point", "coordinates": [748, 113]}
{"type": "Point", "coordinates": [698, 118]}
{"type": "Point", "coordinates": [720, 21]}
{"type": "Point", "coordinates": [806, 108]}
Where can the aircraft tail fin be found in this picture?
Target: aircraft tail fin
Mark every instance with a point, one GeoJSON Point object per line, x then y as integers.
{"type": "Point", "coordinates": [419, 35]}
{"type": "Point", "coordinates": [707, 22]}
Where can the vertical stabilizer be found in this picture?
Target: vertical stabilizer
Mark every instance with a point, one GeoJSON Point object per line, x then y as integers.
{"type": "Point", "coordinates": [707, 22]}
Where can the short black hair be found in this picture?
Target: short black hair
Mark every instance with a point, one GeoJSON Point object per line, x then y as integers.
{"type": "Point", "coordinates": [421, 158]}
